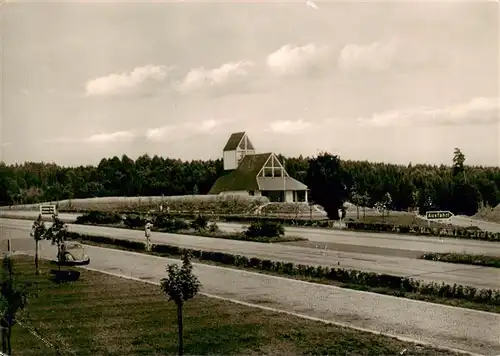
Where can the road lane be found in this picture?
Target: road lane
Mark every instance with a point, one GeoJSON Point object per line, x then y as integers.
{"type": "Point", "coordinates": [464, 329]}
{"type": "Point", "coordinates": [481, 277]}
{"type": "Point", "coordinates": [383, 240]}
{"type": "Point", "coordinates": [354, 238]}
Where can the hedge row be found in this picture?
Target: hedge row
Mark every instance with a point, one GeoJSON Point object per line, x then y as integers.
{"type": "Point", "coordinates": [167, 223]}
{"type": "Point", "coordinates": [475, 234]}
{"type": "Point", "coordinates": [477, 260]}
{"type": "Point", "coordinates": [98, 217]}
{"type": "Point", "coordinates": [351, 277]}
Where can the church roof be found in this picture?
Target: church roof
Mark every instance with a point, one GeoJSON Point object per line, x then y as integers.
{"type": "Point", "coordinates": [237, 139]}
{"type": "Point", "coordinates": [245, 177]}
{"type": "Point", "coordinates": [242, 178]}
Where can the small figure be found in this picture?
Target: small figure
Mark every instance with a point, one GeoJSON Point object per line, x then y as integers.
{"type": "Point", "coordinates": [62, 252]}
{"type": "Point", "coordinates": [147, 233]}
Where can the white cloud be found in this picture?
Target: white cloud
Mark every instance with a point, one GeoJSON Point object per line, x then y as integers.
{"type": "Point", "coordinates": [290, 60]}
{"type": "Point", "coordinates": [312, 5]}
{"type": "Point", "coordinates": [208, 125]}
{"type": "Point", "coordinates": [114, 137]}
{"type": "Point", "coordinates": [183, 131]}
{"type": "Point", "coordinates": [201, 78]}
{"type": "Point", "coordinates": [161, 133]}
{"type": "Point", "coordinates": [289, 127]}
{"type": "Point", "coordinates": [375, 56]}
{"type": "Point", "coordinates": [100, 138]}
{"type": "Point", "coordinates": [115, 84]}
{"type": "Point", "coordinates": [478, 111]}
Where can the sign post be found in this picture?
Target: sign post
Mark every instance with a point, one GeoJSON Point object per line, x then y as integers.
{"type": "Point", "coordinates": [48, 209]}
{"type": "Point", "coordinates": [437, 216]}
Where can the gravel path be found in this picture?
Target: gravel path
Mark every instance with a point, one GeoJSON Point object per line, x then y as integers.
{"type": "Point", "coordinates": [482, 277]}
{"type": "Point", "coordinates": [464, 329]}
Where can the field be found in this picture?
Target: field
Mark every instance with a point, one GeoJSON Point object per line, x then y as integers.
{"type": "Point", "coordinates": [228, 205]}
{"type": "Point", "coordinates": [489, 214]}
{"type": "Point", "coordinates": [187, 203]}
{"type": "Point", "coordinates": [209, 204]}
{"type": "Point", "coordinates": [105, 315]}
{"type": "Point", "coordinates": [293, 210]}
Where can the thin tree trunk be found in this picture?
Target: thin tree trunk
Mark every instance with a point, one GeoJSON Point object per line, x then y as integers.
{"type": "Point", "coordinates": [59, 256]}
{"type": "Point", "coordinates": [179, 324]}
{"type": "Point", "coordinates": [36, 259]}
{"type": "Point", "coordinates": [4, 340]}
{"type": "Point", "coordinates": [9, 347]}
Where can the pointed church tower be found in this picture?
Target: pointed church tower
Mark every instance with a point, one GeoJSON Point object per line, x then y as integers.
{"type": "Point", "coordinates": [237, 147]}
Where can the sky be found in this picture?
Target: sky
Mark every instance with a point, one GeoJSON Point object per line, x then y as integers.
{"type": "Point", "coordinates": [396, 81]}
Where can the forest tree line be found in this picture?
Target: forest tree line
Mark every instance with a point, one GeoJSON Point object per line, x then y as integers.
{"type": "Point", "coordinates": [456, 187]}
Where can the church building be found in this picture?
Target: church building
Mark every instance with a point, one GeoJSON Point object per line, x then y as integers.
{"type": "Point", "coordinates": [256, 174]}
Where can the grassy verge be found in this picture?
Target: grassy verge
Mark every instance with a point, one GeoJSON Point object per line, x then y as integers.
{"type": "Point", "coordinates": [456, 295]}
{"type": "Point", "coordinates": [239, 236]}
{"type": "Point", "coordinates": [212, 234]}
{"type": "Point", "coordinates": [93, 317]}
{"type": "Point", "coordinates": [466, 259]}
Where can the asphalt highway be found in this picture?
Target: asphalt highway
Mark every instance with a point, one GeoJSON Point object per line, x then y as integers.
{"type": "Point", "coordinates": [351, 238]}
{"type": "Point", "coordinates": [382, 240]}
{"type": "Point", "coordinates": [459, 328]}
{"type": "Point", "coordinates": [481, 277]}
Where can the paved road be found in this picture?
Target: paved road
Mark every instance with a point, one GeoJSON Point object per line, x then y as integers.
{"type": "Point", "coordinates": [464, 329]}
{"type": "Point", "coordinates": [381, 240]}
{"type": "Point", "coordinates": [482, 277]}
{"type": "Point", "coordinates": [363, 239]}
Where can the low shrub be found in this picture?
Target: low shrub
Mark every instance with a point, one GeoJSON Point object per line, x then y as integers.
{"type": "Point", "coordinates": [401, 285]}
{"type": "Point", "coordinates": [127, 244]}
{"type": "Point", "coordinates": [199, 223]}
{"type": "Point", "coordinates": [213, 227]}
{"type": "Point", "coordinates": [467, 259]}
{"type": "Point", "coordinates": [168, 223]}
{"type": "Point", "coordinates": [265, 228]}
{"type": "Point", "coordinates": [98, 217]}
{"type": "Point", "coordinates": [133, 221]}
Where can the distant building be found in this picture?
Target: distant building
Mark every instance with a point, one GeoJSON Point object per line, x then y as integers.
{"type": "Point", "coordinates": [254, 174]}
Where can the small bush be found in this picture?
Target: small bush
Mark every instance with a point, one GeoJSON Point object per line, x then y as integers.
{"type": "Point", "coordinates": [133, 221]}
{"type": "Point", "coordinates": [265, 228]}
{"type": "Point", "coordinates": [199, 223]}
{"type": "Point", "coordinates": [98, 217]}
{"type": "Point", "coordinates": [213, 227]}
{"type": "Point", "coordinates": [477, 260]}
{"type": "Point", "coordinates": [168, 223]}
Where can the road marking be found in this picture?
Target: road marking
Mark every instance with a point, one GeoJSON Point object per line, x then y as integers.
{"type": "Point", "coordinates": [303, 316]}
{"type": "Point", "coordinates": [299, 281]}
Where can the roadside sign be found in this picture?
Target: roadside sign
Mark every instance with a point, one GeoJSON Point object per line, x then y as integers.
{"type": "Point", "coordinates": [438, 215]}
{"type": "Point", "coordinates": [47, 209]}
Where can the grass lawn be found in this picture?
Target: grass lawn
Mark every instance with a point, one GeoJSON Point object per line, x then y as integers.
{"type": "Point", "coordinates": [104, 315]}
{"type": "Point", "coordinates": [213, 234]}
{"type": "Point", "coordinates": [463, 303]}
